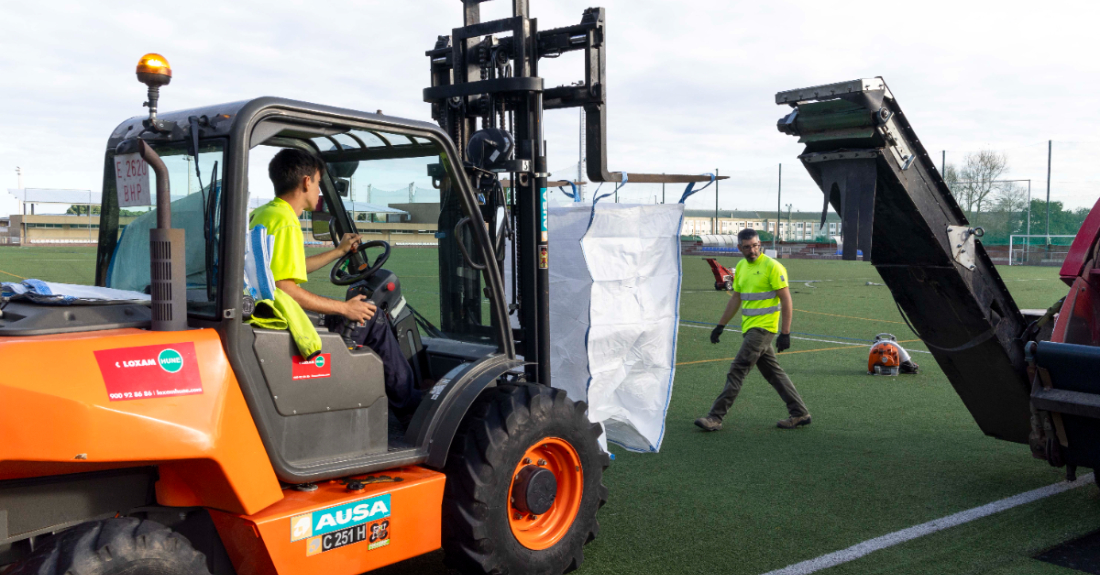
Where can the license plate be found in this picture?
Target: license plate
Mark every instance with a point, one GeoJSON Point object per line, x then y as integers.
{"type": "Point", "coordinates": [337, 539]}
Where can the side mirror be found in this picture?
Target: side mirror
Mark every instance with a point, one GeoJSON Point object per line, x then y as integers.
{"type": "Point", "coordinates": [343, 187]}
{"type": "Point", "coordinates": [322, 227]}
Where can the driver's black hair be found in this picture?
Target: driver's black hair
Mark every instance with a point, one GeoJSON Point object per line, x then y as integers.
{"type": "Point", "coordinates": [289, 166]}
{"type": "Point", "coordinates": [746, 234]}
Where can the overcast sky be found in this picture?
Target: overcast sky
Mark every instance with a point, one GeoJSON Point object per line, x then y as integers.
{"type": "Point", "coordinates": [691, 84]}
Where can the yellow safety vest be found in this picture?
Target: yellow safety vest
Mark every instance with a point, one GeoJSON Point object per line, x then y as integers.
{"type": "Point", "coordinates": [757, 283]}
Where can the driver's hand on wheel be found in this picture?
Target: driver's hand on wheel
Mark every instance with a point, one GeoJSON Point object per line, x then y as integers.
{"type": "Point", "coordinates": [349, 242]}
{"type": "Point", "coordinates": [358, 309]}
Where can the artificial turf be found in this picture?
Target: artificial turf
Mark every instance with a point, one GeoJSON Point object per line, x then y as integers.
{"type": "Point", "coordinates": [882, 454]}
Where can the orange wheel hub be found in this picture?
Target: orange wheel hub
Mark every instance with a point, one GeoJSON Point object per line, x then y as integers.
{"type": "Point", "coordinates": [542, 531]}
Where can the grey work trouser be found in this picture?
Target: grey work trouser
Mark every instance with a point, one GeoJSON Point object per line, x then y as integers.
{"type": "Point", "coordinates": [756, 349]}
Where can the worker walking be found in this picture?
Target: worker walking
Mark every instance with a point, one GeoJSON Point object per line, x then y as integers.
{"type": "Point", "coordinates": [760, 287]}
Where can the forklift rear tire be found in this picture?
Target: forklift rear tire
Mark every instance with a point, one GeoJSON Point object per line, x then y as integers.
{"type": "Point", "coordinates": [122, 546]}
{"type": "Point", "coordinates": [502, 512]}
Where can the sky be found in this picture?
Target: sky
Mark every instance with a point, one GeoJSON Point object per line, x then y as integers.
{"type": "Point", "coordinates": [691, 85]}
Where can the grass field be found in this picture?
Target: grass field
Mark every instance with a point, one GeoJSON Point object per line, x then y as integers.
{"type": "Point", "coordinates": [882, 454]}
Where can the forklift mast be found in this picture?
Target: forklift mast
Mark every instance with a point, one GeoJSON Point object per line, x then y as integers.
{"type": "Point", "coordinates": [487, 74]}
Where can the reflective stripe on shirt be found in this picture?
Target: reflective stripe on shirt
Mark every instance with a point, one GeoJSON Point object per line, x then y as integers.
{"type": "Point", "coordinates": [759, 310]}
{"type": "Point", "coordinates": [757, 296]}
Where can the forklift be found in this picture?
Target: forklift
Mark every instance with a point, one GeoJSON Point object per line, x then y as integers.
{"type": "Point", "coordinates": [173, 436]}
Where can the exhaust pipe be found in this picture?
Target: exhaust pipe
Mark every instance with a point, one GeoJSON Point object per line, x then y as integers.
{"type": "Point", "coordinates": [167, 252]}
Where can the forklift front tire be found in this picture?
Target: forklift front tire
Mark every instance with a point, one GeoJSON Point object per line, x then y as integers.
{"type": "Point", "coordinates": [121, 546]}
{"type": "Point", "coordinates": [524, 483]}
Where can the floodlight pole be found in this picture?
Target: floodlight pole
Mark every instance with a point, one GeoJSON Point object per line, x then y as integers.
{"type": "Point", "coordinates": [1050, 148]}
{"type": "Point", "coordinates": [1027, 248]}
{"type": "Point", "coordinates": [715, 232]}
{"type": "Point", "coordinates": [778, 211]}
{"type": "Point", "coordinates": [789, 206]}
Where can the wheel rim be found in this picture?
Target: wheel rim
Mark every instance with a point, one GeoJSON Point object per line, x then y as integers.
{"type": "Point", "coordinates": [543, 531]}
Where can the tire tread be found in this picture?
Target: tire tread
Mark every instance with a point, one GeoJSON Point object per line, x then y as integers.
{"type": "Point", "coordinates": [102, 547]}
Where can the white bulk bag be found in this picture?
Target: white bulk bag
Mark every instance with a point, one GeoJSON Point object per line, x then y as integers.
{"type": "Point", "coordinates": [632, 255]}
{"type": "Point", "coordinates": [615, 276]}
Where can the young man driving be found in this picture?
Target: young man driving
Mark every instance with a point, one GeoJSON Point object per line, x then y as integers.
{"type": "Point", "coordinates": [296, 176]}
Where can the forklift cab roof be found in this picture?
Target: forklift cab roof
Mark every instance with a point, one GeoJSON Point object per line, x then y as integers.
{"type": "Point", "coordinates": [285, 118]}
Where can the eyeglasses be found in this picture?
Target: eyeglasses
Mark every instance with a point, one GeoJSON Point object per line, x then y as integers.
{"type": "Point", "coordinates": [752, 247]}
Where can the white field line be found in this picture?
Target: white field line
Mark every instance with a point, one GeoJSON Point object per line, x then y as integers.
{"type": "Point", "coordinates": [867, 345]}
{"type": "Point", "coordinates": [889, 540]}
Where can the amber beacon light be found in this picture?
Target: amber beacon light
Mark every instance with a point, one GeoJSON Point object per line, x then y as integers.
{"type": "Point", "coordinates": [153, 71]}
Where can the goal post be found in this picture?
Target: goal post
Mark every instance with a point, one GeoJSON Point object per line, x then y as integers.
{"type": "Point", "coordinates": [1038, 249]}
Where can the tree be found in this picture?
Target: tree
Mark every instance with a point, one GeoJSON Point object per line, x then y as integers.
{"type": "Point", "coordinates": [951, 178]}
{"type": "Point", "coordinates": [978, 179]}
{"type": "Point", "coordinates": [82, 210]}
{"type": "Point", "coordinates": [1010, 197]}
{"type": "Point", "coordinates": [1008, 213]}
{"type": "Point", "coordinates": [1062, 221]}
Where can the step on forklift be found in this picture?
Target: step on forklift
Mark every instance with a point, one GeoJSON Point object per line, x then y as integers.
{"type": "Point", "coordinates": [178, 438]}
{"type": "Point", "coordinates": [1026, 376]}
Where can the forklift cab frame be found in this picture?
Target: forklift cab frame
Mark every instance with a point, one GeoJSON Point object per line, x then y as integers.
{"type": "Point", "coordinates": [292, 439]}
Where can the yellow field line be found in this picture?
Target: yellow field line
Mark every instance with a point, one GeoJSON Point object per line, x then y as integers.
{"type": "Point", "coordinates": [781, 354]}
{"type": "Point", "coordinates": [849, 317]}
{"type": "Point", "coordinates": [788, 353]}
{"type": "Point", "coordinates": [12, 275]}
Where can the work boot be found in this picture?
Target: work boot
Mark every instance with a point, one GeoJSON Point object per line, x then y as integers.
{"type": "Point", "coordinates": [794, 421]}
{"type": "Point", "coordinates": [709, 423]}
{"type": "Point", "coordinates": [909, 367]}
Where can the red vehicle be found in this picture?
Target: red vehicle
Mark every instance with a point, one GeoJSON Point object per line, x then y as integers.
{"type": "Point", "coordinates": [723, 276]}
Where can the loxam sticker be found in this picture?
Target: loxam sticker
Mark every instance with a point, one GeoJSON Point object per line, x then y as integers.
{"type": "Point", "coordinates": [150, 371]}
{"type": "Point", "coordinates": [340, 517]}
{"type": "Point", "coordinates": [319, 366]}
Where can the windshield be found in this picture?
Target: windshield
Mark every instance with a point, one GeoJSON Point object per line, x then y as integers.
{"type": "Point", "coordinates": [195, 187]}
{"type": "Point", "coordinates": [393, 187]}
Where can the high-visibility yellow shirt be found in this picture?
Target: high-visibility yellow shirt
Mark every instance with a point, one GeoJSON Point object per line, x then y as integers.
{"type": "Point", "coordinates": [288, 256]}
{"type": "Point", "coordinates": [288, 262]}
{"type": "Point", "coordinates": [757, 283]}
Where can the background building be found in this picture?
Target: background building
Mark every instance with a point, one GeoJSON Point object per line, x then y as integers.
{"type": "Point", "coordinates": [28, 225]}
{"type": "Point", "coordinates": [793, 227]}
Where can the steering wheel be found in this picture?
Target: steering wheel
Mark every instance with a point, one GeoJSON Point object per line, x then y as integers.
{"type": "Point", "coordinates": [340, 277]}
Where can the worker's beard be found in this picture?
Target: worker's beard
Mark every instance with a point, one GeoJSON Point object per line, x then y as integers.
{"type": "Point", "coordinates": [752, 258]}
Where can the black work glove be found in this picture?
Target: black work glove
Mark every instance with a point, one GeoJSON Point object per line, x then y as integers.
{"type": "Point", "coordinates": [783, 342]}
{"type": "Point", "coordinates": [714, 335]}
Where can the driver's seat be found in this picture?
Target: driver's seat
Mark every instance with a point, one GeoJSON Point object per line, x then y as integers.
{"type": "Point", "coordinates": [323, 398]}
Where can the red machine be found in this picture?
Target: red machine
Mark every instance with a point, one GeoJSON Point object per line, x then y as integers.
{"type": "Point", "coordinates": [723, 276]}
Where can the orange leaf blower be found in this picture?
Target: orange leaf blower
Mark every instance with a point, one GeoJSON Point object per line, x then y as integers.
{"type": "Point", "coordinates": [889, 358]}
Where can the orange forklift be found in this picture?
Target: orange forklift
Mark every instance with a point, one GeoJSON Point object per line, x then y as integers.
{"type": "Point", "coordinates": [176, 436]}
